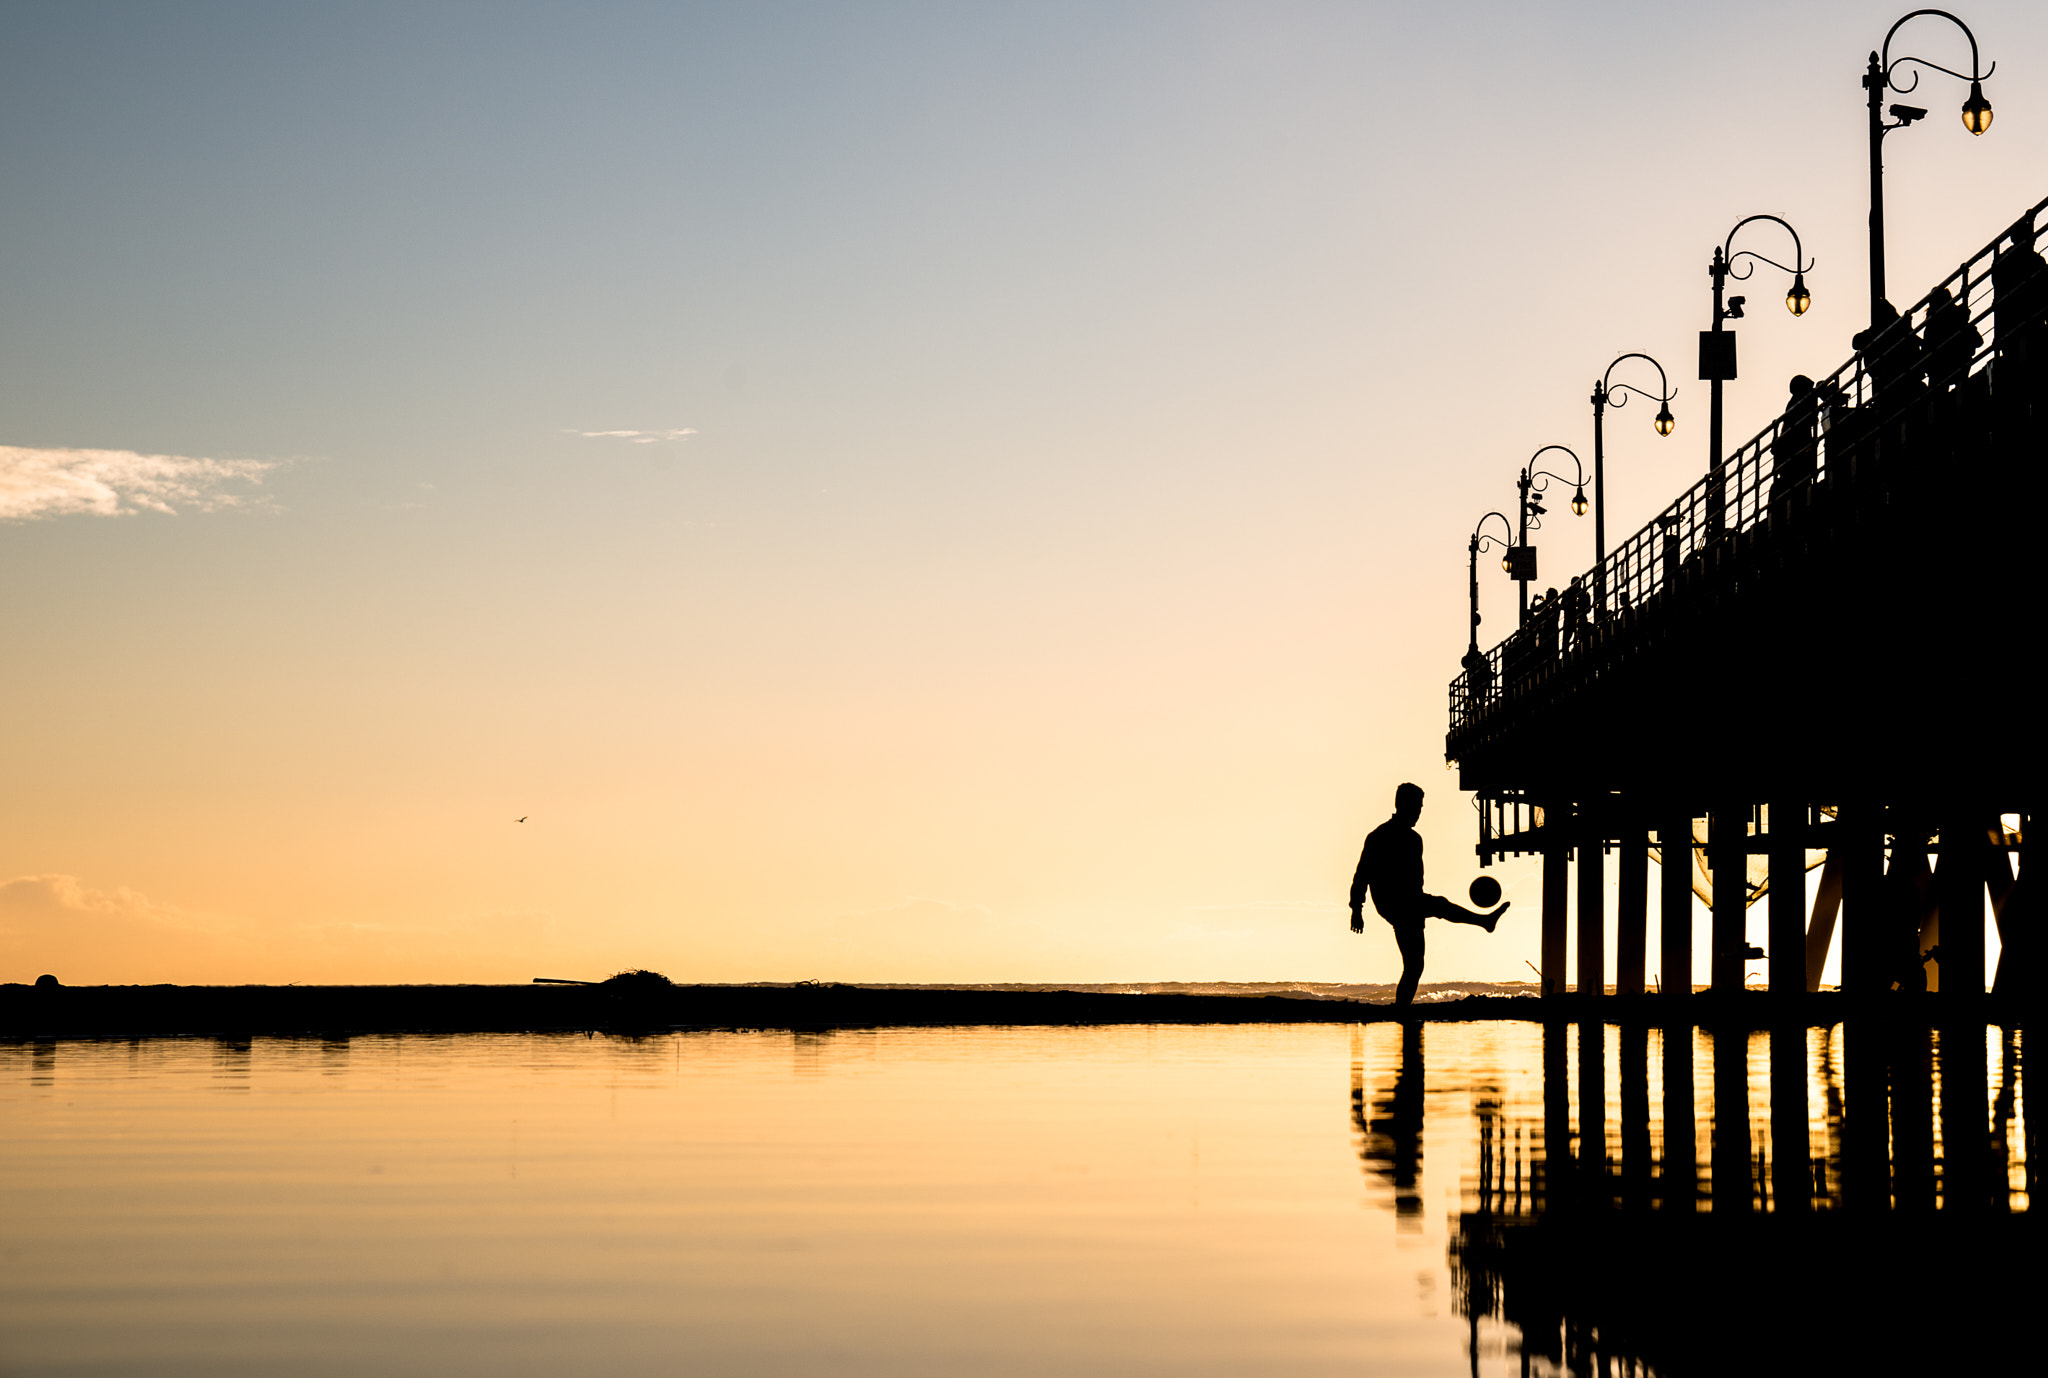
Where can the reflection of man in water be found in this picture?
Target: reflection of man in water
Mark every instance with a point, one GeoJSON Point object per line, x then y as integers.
{"type": "Point", "coordinates": [1390, 1136]}
{"type": "Point", "coordinates": [1391, 867]}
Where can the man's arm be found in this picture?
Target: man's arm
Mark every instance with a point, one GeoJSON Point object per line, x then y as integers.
{"type": "Point", "coordinates": [1361, 879]}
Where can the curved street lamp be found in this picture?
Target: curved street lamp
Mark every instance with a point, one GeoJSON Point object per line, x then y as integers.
{"type": "Point", "coordinates": [1532, 506]}
{"type": "Point", "coordinates": [1474, 662]}
{"type": "Point", "coordinates": [1717, 347]}
{"type": "Point", "coordinates": [1608, 391]}
{"type": "Point", "coordinates": [1884, 73]}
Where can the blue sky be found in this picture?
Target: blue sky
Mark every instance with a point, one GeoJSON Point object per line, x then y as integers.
{"type": "Point", "coordinates": [1054, 435]}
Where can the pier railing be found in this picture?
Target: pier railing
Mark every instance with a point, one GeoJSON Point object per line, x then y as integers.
{"type": "Point", "coordinates": [1936, 355]}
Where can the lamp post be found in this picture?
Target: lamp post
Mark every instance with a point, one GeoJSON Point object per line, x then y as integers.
{"type": "Point", "coordinates": [1717, 347]}
{"type": "Point", "coordinates": [1531, 505]}
{"type": "Point", "coordinates": [1883, 73]}
{"type": "Point", "coordinates": [1604, 392]}
{"type": "Point", "coordinates": [1479, 538]}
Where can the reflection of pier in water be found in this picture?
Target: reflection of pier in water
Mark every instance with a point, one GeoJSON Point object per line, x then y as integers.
{"type": "Point", "coordinates": [1678, 1200]}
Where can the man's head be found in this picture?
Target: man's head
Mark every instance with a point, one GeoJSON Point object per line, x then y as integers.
{"type": "Point", "coordinates": [1408, 804]}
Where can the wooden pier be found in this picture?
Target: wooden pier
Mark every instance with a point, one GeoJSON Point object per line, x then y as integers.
{"type": "Point", "coordinates": [1816, 656]}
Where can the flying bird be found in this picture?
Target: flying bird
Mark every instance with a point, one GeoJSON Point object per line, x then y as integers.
{"type": "Point", "coordinates": [522, 818]}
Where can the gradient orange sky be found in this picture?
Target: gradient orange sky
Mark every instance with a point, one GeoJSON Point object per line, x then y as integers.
{"type": "Point", "coordinates": [887, 493]}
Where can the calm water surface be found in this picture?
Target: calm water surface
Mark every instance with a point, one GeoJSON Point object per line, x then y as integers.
{"type": "Point", "coordinates": [1264, 1199]}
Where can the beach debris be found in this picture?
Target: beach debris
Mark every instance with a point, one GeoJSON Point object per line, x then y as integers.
{"type": "Point", "coordinates": [638, 981]}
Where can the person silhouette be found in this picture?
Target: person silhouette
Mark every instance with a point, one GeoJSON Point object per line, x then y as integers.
{"type": "Point", "coordinates": [1390, 868]}
{"type": "Point", "coordinates": [2019, 294]}
{"type": "Point", "coordinates": [1478, 680]}
{"type": "Point", "coordinates": [1573, 605]}
{"type": "Point", "coordinates": [1891, 352]}
{"type": "Point", "coordinates": [1792, 453]}
{"type": "Point", "coordinates": [1951, 340]}
{"type": "Point", "coordinates": [2019, 306]}
{"type": "Point", "coordinates": [1545, 615]}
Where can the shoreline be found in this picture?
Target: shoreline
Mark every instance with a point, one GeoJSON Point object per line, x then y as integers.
{"type": "Point", "coordinates": [29, 1012]}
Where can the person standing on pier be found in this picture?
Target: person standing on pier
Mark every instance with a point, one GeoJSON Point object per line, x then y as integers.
{"type": "Point", "coordinates": [1574, 603]}
{"type": "Point", "coordinates": [1792, 453]}
{"type": "Point", "coordinates": [1390, 868]}
{"type": "Point", "coordinates": [1951, 341]}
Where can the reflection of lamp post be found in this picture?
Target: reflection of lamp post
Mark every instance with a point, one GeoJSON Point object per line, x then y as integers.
{"type": "Point", "coordinates": [1883, 73]}
{"type": "Point", "coordinates": [1522, 560]}
{"type": "Point", "coordinates": [1717, 347]}
{"type": "Point", "coordinates": [1479, 538]}
{"type": "Point", "coordinates": [1605, 391]}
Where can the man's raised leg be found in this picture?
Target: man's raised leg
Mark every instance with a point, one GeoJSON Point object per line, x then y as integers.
{"type": "Point", "coordinates": [1436, 906]}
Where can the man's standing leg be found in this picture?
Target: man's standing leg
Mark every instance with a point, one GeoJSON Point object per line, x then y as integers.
{"type": "Point", "coordinates": [1408, 936]}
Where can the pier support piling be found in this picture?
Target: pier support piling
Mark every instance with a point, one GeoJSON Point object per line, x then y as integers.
{"type": "Point", "coordinates": [1728, 858]}
{"type": "Point", "coordinates": [1787, 899]}
{"type": "Point", "coordinates": [1592, 903]}
{"type": "Point", "coordinates": [1959, 890]}
{"type": "Point", "coordinates": [1674, 901]}
{"type": "Point", "coordinates": [1860, 834]}
{"type": "Point", "coordinates": [1557, 828]}
{"type": "Point", "coordinates": [1631, 908]}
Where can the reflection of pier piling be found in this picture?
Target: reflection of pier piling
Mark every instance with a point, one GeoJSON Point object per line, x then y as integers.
{"type": "Point", "coordinates": [1865, 550]}
{"type": "Point", "coordinates": [1882, 1180]}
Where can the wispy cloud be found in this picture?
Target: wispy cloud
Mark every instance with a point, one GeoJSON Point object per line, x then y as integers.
{"type": "Point", "coordinates": [637, 437]}
{"type": "Point", "coordinates": [114, 483]}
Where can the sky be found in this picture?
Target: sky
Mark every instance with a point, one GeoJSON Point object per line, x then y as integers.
{"type": "Point", "coordinates": [887, 492]}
